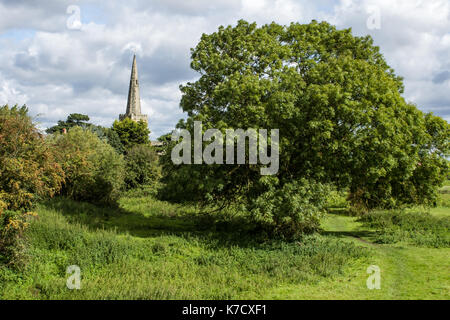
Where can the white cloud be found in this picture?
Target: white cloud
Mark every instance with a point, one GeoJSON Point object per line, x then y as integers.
{"type": "Point", "coordinates": [415, 39]}
{"type": "Point", "coordinates": [58, 71]}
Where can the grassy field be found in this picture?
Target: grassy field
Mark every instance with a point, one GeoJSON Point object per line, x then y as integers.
{"type": "Point", "coordinates": [148, 249]}
{"type": "Point", "coordinates": [407, 271]}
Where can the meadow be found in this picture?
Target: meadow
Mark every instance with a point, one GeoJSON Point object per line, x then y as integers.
{"type": "Point", "coordinates": [149, 249]}
{"type": "Point", "coordinates": [110, 203]}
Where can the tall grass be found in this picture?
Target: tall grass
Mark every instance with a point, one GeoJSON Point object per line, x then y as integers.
{"type": "Point", "coordinates": [419, 228]}
{"type": "Point", "coordinates": [444, 197]}
{"type": "Point", "coordinates": [152, 250]}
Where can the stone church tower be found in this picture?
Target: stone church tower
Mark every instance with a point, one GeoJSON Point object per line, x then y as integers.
{"type": "Point", "coordinates": [134, 100]}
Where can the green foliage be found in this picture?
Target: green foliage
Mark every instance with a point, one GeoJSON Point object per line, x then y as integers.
{"type": "Point", "coordinates": [148, 249]}
{"type": "Point", "coordinates": [131, 132]}
{"type": "Point", "coordinates": [110, 136]}
{"type": "Point", "coordinates": [165, 138]}
{"type": "Point", "coordinates": [28, 172]}
{"type": "Point", "coordinates": [73, 120]}
{"type": "Point", "coordinates": [433, 166]}
{"type": "Point", "coordinates": [164, 141]}
{"type": "Point", "coordinates": [77, 119]}
{"type": "Point", "coordinates": [142, 166]}
{"type": "Point", "coordinates": [336, 102]}
{"type": "Point", "coordinates": [444, 199]}
{"type": "Point", "coordinates": [27, 167]}
{"type": "Point", "coordinates": [94, 171]}
{"type": "Point", "coordinates": [13, 225]}
{"type": "Point", "coordinates": [420, 228]}
{"type": "Point", "coordinates": [292, 209]}
{"type": "Point", "coordinates": [336, 199]}
{"type": "Point", "coordinates": [417, 178]}
{"type": "Point", "coordinates": [146, 190]}
{"type": "Point", "coordinates": [81, 120]}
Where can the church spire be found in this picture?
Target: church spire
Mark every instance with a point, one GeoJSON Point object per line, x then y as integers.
{"type": "Point", "coordinates": [134, 101]}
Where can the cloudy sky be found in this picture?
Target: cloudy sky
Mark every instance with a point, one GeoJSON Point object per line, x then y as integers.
{"type": "Point", "coordinates": [61, 57]}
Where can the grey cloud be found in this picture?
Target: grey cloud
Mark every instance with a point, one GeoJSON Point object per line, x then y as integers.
{"type": "Point", "coordinates": [441, 77]}
{"type": "Point", "coordinates": [48, 15]}
{"type": "Point", "coordinates": [165, 65]}
{"type": "Point", "coordinates": [25, 61]}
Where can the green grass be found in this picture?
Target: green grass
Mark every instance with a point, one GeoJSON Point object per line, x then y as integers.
{"type": "Point", "coordinates": [444, 196]}
{"type": "Point", "coordinates": [153, 250]}
{"type": "Point", "coordinates": [408, 271]}
{"type": "Point", "coordinates": [148, 249]}
{"type": "Point", "coordinates": [415, 227]}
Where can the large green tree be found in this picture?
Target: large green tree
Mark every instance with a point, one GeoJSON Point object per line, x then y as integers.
{"type": "Point", "coordinates": [337, 104]}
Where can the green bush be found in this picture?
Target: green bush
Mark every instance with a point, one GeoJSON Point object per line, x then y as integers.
{"type": "Point", "coordinates": [419, 228]}
{"type": "Point", "coordinates": [81, 120]}
{"type": "Point", "coordinates": [337, 199]}
{"type": "Point", "coordinates": [94, 170]}
{"type": "Point", "coordinates": [13, 224]}
{"type": "Point", "coordinates": [110, 136]}
{"type": "Point", "coordinates": [28, 172]}
{"type": "Point", "coordinates": [141, 166]}
{"type": "Point", "coordinates": [28, 169]}
{"type": "Point", "coordinates": [444, 200]}
{"type": "Point", "coordinates": [292, 209]}
{"type": "Point", "coordinates": [131, 132]}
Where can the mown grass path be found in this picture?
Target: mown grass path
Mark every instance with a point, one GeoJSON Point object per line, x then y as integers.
{"type": "Point", "coordinates": [407, 272]}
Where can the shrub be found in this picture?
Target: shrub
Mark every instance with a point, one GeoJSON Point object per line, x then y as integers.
{"type": "Point", "coordinates": [444, 200]}
{"type": "Point", "coordinates": [420, 228]}
{"type": "Point", "coordinates": [110, 136]}
{"type": "Point", "coordinates": [94, 170]}
{"type": "Point", "coordinates": [81, 120]}
{"type": "Point", "coordinates": [12, 227]}
{"type": "Point", "coordinates": [28, 169]}
{"type": "Point", "coordinates": [141, 166]}
{"type": "Point", "coordinates": [291, 210]}
{"type": "Point", "coordinates": [337, 199]}
{"type": "Point", "coordinates": [131, 132]}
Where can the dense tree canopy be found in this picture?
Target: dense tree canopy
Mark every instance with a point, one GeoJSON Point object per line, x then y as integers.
{"type": "Point", "coordinates": [110, 136]}
{"type": "Point", "coordinates": [336, 102]}
{"type": "Point", "coordinates": [74, 119]}
{"type": "Point", "coordinates": [141, 166]}
{"type": "Point", "coordinates": [94, 171]}
{"type": "Point", "coordinates": [131, 133]}
{"type": "Point", "coordinates": [81, 120]}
